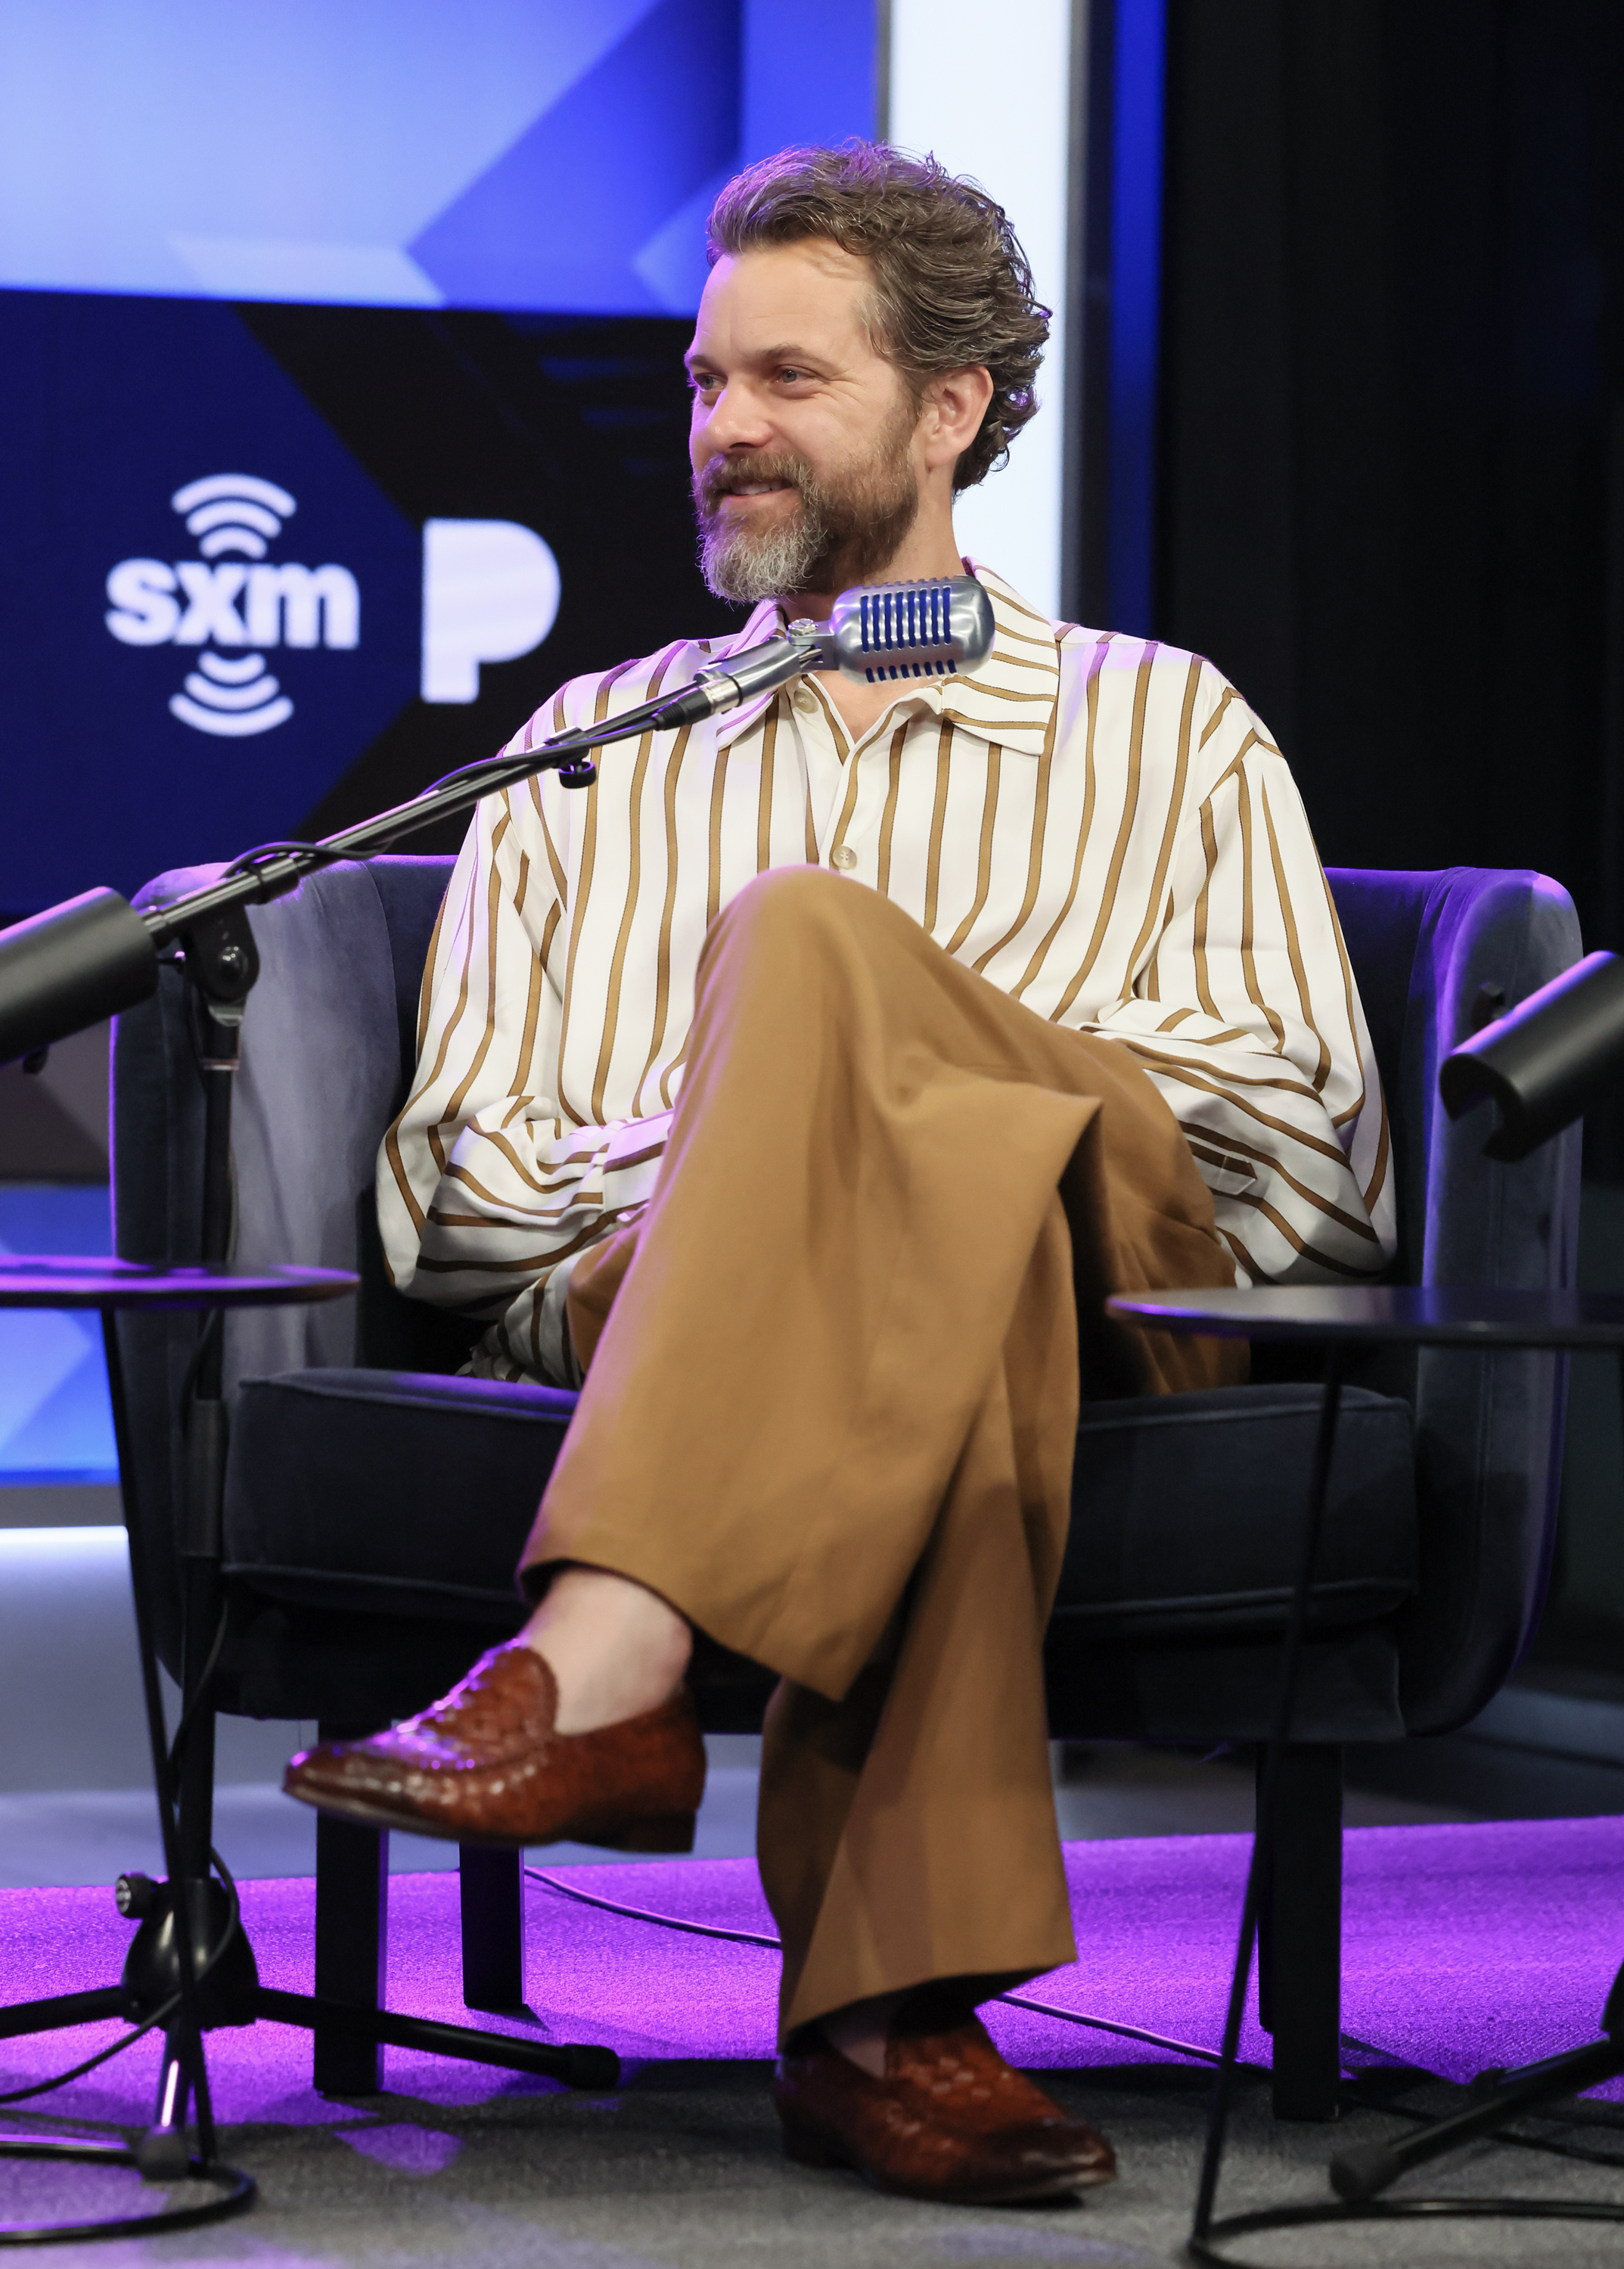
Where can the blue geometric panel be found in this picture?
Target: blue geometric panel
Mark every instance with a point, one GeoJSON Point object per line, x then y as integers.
{"type": "Point", "coordinates": [115, 408]}
{"type": "Point", "coordinates": [559, 220]}
{"type": "Point", "coordinates": [511, 154]}
{"type": "Point", "coordinates": [56, 1421]}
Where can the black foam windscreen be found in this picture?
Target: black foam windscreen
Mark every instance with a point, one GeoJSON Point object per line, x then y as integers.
{"type": "Point", "coordinates": [1546, 1062]}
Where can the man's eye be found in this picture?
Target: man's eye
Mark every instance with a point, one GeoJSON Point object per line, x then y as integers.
{"type": "Point", "coordinates": [703, 381]}
{"type": "Point", "coordinates": [792, 377]}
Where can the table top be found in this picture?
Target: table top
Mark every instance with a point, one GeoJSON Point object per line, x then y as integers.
{"type": "Point", "coordinates": [1433, 1315]}
{"type": "Point", "coordinates": [75, 1280]}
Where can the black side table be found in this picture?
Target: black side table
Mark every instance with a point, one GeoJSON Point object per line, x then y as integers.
{"type": "Point", "coordinates": [1342, 1319]}
{"type": "Point", "coordinates": [161, 1952]}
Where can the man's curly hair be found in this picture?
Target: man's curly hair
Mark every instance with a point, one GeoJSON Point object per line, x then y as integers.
{"type": "Point", "coordinates": [952, 287]}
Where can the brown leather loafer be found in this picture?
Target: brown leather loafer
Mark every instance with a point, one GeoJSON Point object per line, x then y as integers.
{"type": "Point", "coordinates": [485, 1766]}
{"type": "Point", "coordinates": [950, 2121]}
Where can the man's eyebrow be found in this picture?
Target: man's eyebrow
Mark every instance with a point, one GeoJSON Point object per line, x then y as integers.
{"type": "Point", "coordinates": [781, 354]}
{"type": "Point", "coordinates": [791, 353]}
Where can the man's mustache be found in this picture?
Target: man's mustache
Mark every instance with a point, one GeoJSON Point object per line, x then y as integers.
{"type": "Point", "coordinates": [727, 476]}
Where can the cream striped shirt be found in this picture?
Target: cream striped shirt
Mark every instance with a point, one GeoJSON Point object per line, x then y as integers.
{"type": "Point", "coordinates": [1097, 824]}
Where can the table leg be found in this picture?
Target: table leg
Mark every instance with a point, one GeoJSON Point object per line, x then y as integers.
{"type": "Point", "coordinates": [1297, 1632]}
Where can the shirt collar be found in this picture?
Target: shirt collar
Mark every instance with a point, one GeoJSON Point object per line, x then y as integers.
{"type": "Point", "coordinates": [1008, 698]}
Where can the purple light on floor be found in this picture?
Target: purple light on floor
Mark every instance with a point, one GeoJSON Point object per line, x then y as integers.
{"type": "Point", "coordinates": [1491, 1943]}
{"type": "Point", "coordinates": [405, 2150]}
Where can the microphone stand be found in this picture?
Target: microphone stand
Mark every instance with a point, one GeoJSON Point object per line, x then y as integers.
{"type": "Point", "coordinates": [96, 954]}
{"type": "Point", "coordinates": [69, 967]}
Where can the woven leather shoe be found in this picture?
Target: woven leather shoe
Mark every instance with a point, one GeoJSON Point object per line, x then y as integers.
{"type": "Point", "coordinates": [484, 1765]}
{"type": "Point", "coordinates": [950, 2121]}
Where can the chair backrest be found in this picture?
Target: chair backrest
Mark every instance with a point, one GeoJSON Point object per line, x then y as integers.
{"type": "Point", "coordinates": [1488, 1429]}
{"type": "Point", "coordinates": [328, 1046]}
{"type": "Point", "coordinates": [329, 1043]}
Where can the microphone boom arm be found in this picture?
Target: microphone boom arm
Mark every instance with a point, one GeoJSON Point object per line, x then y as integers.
{"type": "Point", "coordinates": [95, 955]}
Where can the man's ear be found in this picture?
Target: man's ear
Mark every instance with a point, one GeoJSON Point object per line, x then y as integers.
{"type": "Point", "coordinates": [950, 414]}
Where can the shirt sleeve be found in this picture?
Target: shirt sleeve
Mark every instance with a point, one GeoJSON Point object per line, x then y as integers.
{"type": "Point", "coordinates": [1247, 1017]}
{"type": "Point", "coordinates": [487, 1193]}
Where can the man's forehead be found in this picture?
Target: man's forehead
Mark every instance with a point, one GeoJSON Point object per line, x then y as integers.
{"type": "Point", "coordinates": [783, 294]}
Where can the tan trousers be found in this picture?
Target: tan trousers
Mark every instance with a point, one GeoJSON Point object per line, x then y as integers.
{"type": "Point", "coordinates": [831, 1404]}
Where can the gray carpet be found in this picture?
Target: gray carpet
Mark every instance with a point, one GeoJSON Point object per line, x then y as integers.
{"type": "Point", "coordinates": [682, 2170]}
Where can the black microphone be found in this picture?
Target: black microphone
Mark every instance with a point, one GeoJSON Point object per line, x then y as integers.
{"type": "Point", "coordinates": [877, 631]}
{"type": "Point", "coordinates": [1545, 1061]}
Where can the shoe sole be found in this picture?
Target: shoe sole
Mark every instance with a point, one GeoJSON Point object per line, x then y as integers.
{"type": "Point", "coordinates": [822, 2147]}
{"type": "Point", "coordinates": [662, 1832]}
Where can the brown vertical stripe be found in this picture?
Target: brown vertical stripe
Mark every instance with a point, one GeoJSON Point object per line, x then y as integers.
{"type": "Point", "coordinates": [628, 911]}
{"type": "Point", "coordinates": [532, 1009]}
{"type": "Point", "coordinates": [763, 807]}
{"type": "Point", "coordinates": [713, 887]}
{"type": "Point", "coordinates": [493, 915]}
{"type": "Point", "coordinates": [1348, 994]}
{"type": "Point", "coordinates": [669, 1074]}
{"type": "Point", "coordinates": [1035, 856]}
{"type": "Point", "coordinates": [397, 1164]}
{"type": "Point", "coordinates": [984, 855]}
{"type": "Point", "coordinates": [555, 915]}
{"type": "Point", "coordinates": [662, 960]}
{"type": "Point", "coordinates": [1130, 806]}
{"type": "Point", "coordinates": [1203, 903]}
{"type": "Point", "coordinates": [588, 859]}
{"type": "Point", "coordinates": [1294, 945]}
{"type": "Point", "coordinates": [1152, 975]}
{"type": "Point", "coordinates": [425, 991]}
{"type": "Point", "coordinates": [617, 962]}
{"type": "Point", "coordinates": [939, 812]}
{"type": "Point", "coordinates": [842, 746]}
{"type": "Point", "coordinates": [1171, 830]}
{"type": "Point", "coordinates": [844, 820]}
{"type": "Point", "coordinates": [1091, 696]}
{"type": "Point", "coordinates": [1212, 724]}
{"type": "Point", "coordinates": [888, 820]}
{"type": "Point", "coordinates": [1249, 964]}
{"type": "Point", "coordinates": [560, 880]}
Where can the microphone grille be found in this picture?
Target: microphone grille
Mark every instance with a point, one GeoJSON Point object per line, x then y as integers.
{"type": "Point", "coordinates": [921, 629]}
{"type": "Point", "coordinates": [906, 629]}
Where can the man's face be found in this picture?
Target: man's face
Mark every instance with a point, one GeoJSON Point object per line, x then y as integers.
{"type": "Point", "coordinates": [802, 436]}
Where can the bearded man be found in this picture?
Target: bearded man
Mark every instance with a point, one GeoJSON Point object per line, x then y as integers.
{"type": "Point", "coordinates": [799, 1093]}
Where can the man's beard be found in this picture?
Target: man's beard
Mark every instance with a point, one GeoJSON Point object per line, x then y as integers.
{"type": "Point", "coordinates": [845, 529]}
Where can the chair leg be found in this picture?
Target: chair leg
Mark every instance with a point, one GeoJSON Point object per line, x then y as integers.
{"type": "Point", "coordinates": [352, 1925]}
{"type": "Point", "coordinates": [1300, 1933]}
{"type": "Point", "coordinates": [492, 1884]}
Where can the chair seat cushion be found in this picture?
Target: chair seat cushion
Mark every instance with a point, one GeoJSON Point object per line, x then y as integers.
{"type": "Point", "coordinates": [405, 1493]}
{"type": "Point", "coordinates": [388, 1492]}
{"type": "Point", "coordinates": [1187, 1514]}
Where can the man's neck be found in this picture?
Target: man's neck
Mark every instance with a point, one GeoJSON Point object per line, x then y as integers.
{"type": "Point", "coordinates": [925, 552]}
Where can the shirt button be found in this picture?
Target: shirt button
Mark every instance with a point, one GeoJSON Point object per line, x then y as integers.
{"type": "Point", "coordinates": [845, 858]}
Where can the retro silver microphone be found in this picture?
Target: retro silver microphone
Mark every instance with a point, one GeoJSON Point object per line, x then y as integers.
{"type": "Point", "coordinates": [878, 631]}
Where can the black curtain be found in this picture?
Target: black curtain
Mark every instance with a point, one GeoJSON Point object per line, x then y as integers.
{"type": "Point", "coordinates": [1392, 481]}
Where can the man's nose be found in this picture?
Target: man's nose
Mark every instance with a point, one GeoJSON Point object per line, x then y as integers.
{"type": "Point", "coordinates": [736, 419]}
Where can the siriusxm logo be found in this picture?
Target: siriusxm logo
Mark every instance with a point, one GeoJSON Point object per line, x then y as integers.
{"type": "Point", "coordinates": [490, 594]}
